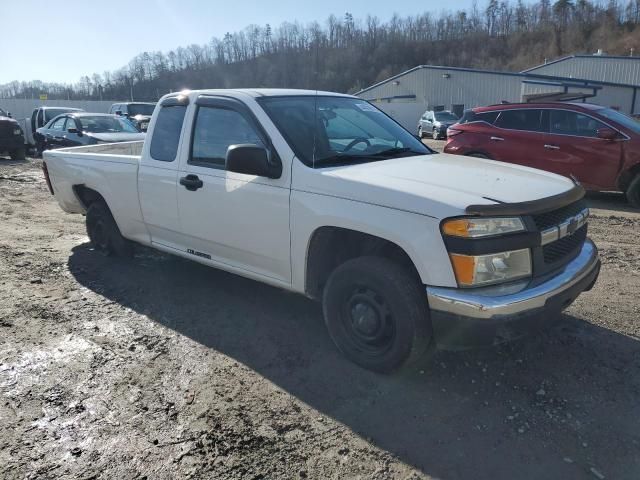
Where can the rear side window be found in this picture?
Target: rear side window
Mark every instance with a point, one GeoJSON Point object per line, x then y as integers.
{"type": "Point", "coordinates": [58, 124]}
{"type": "Point", "coordinates": [471, 116]}
{"type": "Point", "coordinates": [166, 133]}
{"type": "Point", "coordinates": [529, 120]}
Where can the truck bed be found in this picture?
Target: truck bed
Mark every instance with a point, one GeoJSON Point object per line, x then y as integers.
{"type": "Point", "coordinates": [111, 169]}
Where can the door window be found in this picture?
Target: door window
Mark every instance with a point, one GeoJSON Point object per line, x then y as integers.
{"type": "Point", "coordinates": [530, 120]}
{"type": "Point", "coordinates": [166, 133]}
{"type": "Point", "coordinates": [215, 130]}
{"type": "Point", "coordinates": [71, 123]}
{"type": "Point", "coordinates": [58, 124]}
{"type": "Point", "coordinates": [565, 122]}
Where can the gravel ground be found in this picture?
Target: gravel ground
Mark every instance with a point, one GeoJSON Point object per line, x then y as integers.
{"type": "Point", "coordinates": [162, 368]}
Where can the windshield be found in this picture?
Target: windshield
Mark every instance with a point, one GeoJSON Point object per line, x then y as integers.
{"type": "Point", "coordinates": [624, 120]}
{"type": "Point", "coordinates": [446, 117]}
{"type": "Point", "coordinates": [106, 124]}
{"type": "Point", "coordinates": [141, 109]}
{"type": "Point", "coordinates": [325, 130]}
{"type": "Point", "coordinates": [50, 113]}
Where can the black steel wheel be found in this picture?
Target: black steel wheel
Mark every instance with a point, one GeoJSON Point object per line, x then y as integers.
{"type": "Point", "coordinates": [376, 313]}
{"type": "Point", "coordinates": [104, 233]}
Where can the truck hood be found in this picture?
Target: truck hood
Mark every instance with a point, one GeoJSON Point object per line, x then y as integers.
{"type": "Point", "coordinates": [438, 185]}
{"type": "Point", "coordinates": [116, 137]}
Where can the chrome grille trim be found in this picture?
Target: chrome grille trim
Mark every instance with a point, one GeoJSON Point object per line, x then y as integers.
{"type": "Point", "coordinates": [564, 229]}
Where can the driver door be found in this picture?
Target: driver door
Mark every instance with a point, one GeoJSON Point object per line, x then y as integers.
{"type": "Point", "coordinates": [235, 220]}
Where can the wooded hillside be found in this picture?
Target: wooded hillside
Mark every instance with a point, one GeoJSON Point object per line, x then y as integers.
{"type": "Point", "coordinates": [346, 54]}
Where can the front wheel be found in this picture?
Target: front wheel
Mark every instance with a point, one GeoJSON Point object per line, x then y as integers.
{"type": "Point", "coordinates": [19, 154]}
{"type": "Point", "coordinates": [104, 233]}
{"type": "Point", "coordinates": [420, 134]}
{"type": "Point", "coordinates": [376, 314]}
{"type": "Point", "coordinates": [435, 134]}
{"type": "Point", "coordinates": [633, 192]}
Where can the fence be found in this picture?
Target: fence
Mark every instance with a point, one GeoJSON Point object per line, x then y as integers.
{"type": "Point", "coordinates": [22, 108]}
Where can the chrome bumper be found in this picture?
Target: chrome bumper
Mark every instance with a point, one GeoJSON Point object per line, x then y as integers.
{"type": "Point", "coordinates": [492, 303]}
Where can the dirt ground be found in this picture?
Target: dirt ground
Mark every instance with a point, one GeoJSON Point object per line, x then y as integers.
{"type": "Point", "coordinates": [161, 368]}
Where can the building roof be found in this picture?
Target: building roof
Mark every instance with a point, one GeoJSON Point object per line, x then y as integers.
{"type": "Point", "coordinates": [610, 68]}
{"type": "Point", "coordinates": [525, 75]}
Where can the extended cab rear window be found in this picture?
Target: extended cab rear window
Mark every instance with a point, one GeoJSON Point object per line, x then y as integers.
{"type": "Point", "coordinates": [166, 133]}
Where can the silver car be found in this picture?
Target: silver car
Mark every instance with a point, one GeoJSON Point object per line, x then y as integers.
{"type": "Point", "coordinates": [436, 123]}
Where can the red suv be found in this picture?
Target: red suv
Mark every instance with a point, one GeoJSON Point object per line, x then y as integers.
{"type": "Point", "coordinates": [599, 146]}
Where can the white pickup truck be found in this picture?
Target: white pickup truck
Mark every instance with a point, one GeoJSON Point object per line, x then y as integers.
{"type": "Point", "coordinates": [325, 195]}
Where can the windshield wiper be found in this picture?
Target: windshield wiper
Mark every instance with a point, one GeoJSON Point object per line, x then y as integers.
{"type": "Point", "coordinates": [342, 158]}
{"type": "Point", "coordinates": [392, 152]}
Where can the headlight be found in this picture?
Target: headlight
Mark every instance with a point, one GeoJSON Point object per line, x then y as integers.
{"type": "Point", "coordinates": [482, 227]}
{"type": "Point", "coordinates": [476, 270]}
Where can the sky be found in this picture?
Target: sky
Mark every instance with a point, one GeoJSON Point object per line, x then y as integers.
{"type": "Point", "coordinates": [85, 37]}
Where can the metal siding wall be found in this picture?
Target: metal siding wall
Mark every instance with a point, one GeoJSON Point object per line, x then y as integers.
{"type": "Point", "coordinates": [21, 108]}
{"type": "Point", "coordinates": [471, 89]}
{"type": "Point", "coordinates": [615, 70]}
{"type": "Point", "coordinates": [619, 97]}
{"type": "Point", "coordinates": [406, 114]}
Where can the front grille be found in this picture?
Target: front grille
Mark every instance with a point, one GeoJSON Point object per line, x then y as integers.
{"type": "Point", "coordinates": [556, 217]}
{"type": "Point", "coordinates": [6, 129]}
{"type": "Point", "coordinates": [565, 248]}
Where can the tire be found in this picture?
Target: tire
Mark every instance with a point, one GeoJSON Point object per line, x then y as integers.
{"type": "Point", "coordinates": [376, 314]}
{"type": "Point", "coordinates": [420, 133]}
{"type": "Point", "coordinates": [633, 192]}
{"type": "Point", "coordinates": [104, 232]}
{"type": "Point", "coordinates": [435, 135]}
{"type": "Point", "coordinates": [479, 155]}
{"type": "Point", "coordinates": [19, 154]}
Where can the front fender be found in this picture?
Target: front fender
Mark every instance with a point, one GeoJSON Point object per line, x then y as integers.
{"type": "Point", "coordinates": [418, 235]}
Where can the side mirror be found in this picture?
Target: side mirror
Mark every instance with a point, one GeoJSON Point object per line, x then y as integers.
{"type": "Point", "coordinates": [607, 134]}
{"type": "Point", "coordinates": [9, 115]}
{"type": "Point", "coordinates": [74, 130]}
{"type": "Point", "coordinates": [118, 112]}
{"type": "Point", "coordinates": [252, 160]}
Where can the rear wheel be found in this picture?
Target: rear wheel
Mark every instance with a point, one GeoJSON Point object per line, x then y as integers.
{"type": "Point", "coordinates": [633, 192]}
{"type": "Point", "coordinates": [420, 133]}
{"type": "Point", "coordinates": [104, 232]}
{"type": "Point", "coordinates": [19, 154]}
{"type": "Point", "coordinates": [376, 313]}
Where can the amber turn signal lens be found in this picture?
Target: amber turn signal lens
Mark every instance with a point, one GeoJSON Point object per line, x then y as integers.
{"type": "Point", "coordinates": [464, 268]}
{"type": "Point", "coordinates": [456, 228]}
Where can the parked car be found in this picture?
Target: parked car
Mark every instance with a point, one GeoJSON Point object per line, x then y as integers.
{"type": "Point", "coordinates": [599, 146]}
{"type": "Point", "coordinates": [39, 118]}
{"type": "Point", "coordinates": [436, 123]}
{"type": "Point", "coordinates": [11, 137]}
{"type": "Point", "coordinates": [324, 195]}
{"type": "Point", "coordinates": [138, 112]}
{"type": "Point", "coordinates": [76, 129]}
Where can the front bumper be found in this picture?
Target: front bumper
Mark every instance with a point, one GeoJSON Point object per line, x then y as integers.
{"type": "Point", "coordinates": [465, 318]}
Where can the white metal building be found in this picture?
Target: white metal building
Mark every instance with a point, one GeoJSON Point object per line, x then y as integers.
{"type": "Point", "coordinates": [407, 95]}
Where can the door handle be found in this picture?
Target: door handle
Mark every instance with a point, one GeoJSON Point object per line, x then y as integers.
{"type": "Point", "coordinates": [497, 139]}
{"type": "Point", "coordinates": [191, 182]}
{"type": "Point", "coordinates": [552, 147]}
